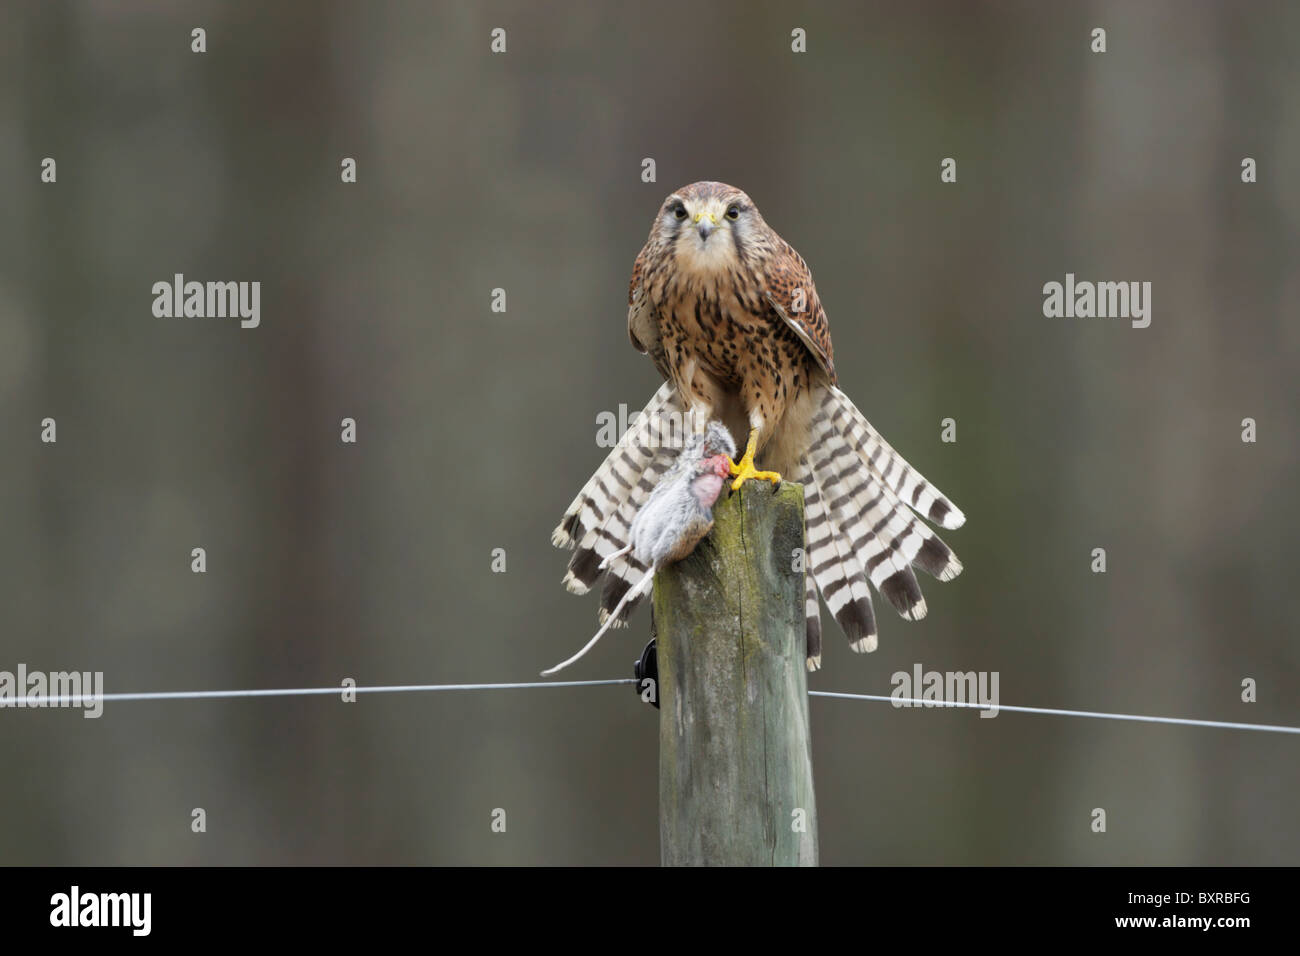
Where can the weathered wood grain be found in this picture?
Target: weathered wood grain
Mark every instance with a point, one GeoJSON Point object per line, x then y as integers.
{"type": "Point", "coordinates": [735, 757]}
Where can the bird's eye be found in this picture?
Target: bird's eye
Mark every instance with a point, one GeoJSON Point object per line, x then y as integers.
{"type": "Point", "coordinates": [733, 212]}
{"type": "Point", "coordinates": [679, 211]}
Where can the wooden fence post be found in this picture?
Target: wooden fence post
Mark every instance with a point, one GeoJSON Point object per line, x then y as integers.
{"type": "Point", "coordinates": [735, 757]}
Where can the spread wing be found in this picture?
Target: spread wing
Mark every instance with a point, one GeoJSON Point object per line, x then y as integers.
{"type": "Point", "coordinates": [791, 293]}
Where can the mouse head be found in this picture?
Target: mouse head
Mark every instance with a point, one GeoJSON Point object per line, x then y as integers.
{"type": "Point", "coordinates": [718, 441]}
{"type": "Point", "coordinates": [713, 464]}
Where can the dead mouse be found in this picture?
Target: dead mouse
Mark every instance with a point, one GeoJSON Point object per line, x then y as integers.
{"type": "Point", "coordinates": [676, 516]}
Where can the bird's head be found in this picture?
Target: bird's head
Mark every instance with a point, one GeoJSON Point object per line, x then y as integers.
{"type": "Point", "coordinates": [707, 226]}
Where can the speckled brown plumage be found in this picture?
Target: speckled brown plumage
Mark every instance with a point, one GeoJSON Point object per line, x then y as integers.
{"type": "Point", "coordinates": [720, 315]}
{"type": "Point", "coordinates": [728, 313]}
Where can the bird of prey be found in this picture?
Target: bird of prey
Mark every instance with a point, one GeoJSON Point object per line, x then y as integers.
{"type": "Point", "coordinates": [728, 313]}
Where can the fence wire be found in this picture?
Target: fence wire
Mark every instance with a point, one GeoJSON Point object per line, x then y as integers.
{"type": "Point", "coordinates": [77, 700]}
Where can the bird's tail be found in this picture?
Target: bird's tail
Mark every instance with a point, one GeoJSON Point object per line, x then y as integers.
{"type": "Point", "coordinates": [598, 522]}
{"type": "Point", "coordinates": [861, 503]}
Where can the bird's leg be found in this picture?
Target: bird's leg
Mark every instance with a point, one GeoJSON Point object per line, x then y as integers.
{"type": "Point", "coordinates": [695, 421]}
{"type": "Point", "coordinates": [698, 409]}
{"type": "Point", "coordinates": [744, 469]}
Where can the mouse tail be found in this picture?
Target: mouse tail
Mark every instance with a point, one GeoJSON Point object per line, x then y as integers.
{"type": "Point", "coordinates": [632, 594]}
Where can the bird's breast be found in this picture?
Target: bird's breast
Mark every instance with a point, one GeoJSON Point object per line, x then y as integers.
{"type": "Point", "coordinates": [721, 329]}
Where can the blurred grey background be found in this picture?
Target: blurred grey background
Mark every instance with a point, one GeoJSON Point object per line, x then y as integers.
{"type": "Point", "coordinates": [522, 171]}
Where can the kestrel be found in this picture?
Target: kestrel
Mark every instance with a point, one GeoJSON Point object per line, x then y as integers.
{"type": "Point", "coordinates": [727, 311]}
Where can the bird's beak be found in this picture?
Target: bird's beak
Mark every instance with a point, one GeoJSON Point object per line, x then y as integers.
{"type": "Point", "coordinates": [707, 223]}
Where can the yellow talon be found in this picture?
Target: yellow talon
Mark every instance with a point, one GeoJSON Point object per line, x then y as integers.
{"type": "Point", "coordinates": [745, 470]}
